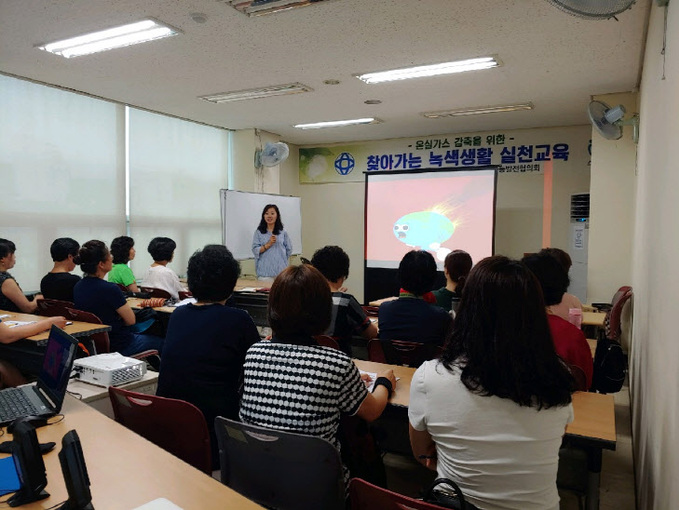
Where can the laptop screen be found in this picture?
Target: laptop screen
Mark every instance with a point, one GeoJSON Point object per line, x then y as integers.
{"type": "Point", "coordinates": [57, 365]}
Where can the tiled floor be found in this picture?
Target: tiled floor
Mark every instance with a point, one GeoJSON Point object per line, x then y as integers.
{"type": "Point", "coordinates": [617, 474]}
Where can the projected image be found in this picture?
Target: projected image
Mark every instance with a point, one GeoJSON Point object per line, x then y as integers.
{"type": "Point", "coordinates": [437, 212]}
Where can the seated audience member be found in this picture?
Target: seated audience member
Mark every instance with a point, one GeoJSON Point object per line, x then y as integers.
{"type": "Point", "coordinates": [59, 282]}
{"type": "Point", "coordinates": [568, 301]}
{"type": "Point", "coordinates": [348, 318]}
{"type": "Point", "coordinates": [569, 341]}
{"type": "Point", "coordinates": [159, 275]}
{"type": "Point", "coordinates": [122, 249]}
{"type": "Point", "coordinates": [456, 267]}
{"type": "Point", "coordinates": [206, 342]}
{"type": "Point", "coordinates": [300, 307]}
{"type": "Point", "coordinates": [106, 301]}
{"type": "Point", "coordinates": [409, 317]}
{"type": "Point", "coordinates": [9, 335]}
{"type": "Point", "coordinates": [491, 413]}
{"type": "Point", "coordinates": [12, 298]}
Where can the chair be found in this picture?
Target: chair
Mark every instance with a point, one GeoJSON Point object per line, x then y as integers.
{"type": "Point", "coordinates": [52, 307]}
{"type": "Point", "coordinates": [612, 321]}
{"type": "Point", "coordinates": [183, 294]}
{"type": "Point", "coordinates": [579, 377]}
{"type": "Point", "coordinates": [371, 311]}
{"type": "Point", "coordinates": [100, 340]}
{"type": "Point", "coordinates": [176, 426]}
{"type": "Point", "coordinates": [279, 469]}
{"type": "Point", "coordinates": [327, 341]}
{"type": "Point", "coordinates": [401, 352]}
{"type": "Point", "coordinates": [154, 292]}
{"type": "Point", "coordinates": [123, 287]}
{"type": "Point", "coordinates": [366, 496]}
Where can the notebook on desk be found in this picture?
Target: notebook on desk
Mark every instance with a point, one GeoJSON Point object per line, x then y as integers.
{"type": "Point", "coordinates": [46, 396]}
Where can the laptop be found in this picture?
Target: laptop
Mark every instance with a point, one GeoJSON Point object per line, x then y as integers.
{"type": "Point", "coordinates": [46, 396]}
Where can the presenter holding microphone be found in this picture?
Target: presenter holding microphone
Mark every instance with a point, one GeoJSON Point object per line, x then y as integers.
{"type": "Point", "coordinates": [271, 244]}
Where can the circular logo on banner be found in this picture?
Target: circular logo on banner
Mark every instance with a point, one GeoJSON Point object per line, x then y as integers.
{"type": "Point", "coordinates": [344, 163]}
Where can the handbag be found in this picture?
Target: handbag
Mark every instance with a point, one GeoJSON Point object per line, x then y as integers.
{"type": "Point", "coordinates": [438, 494]}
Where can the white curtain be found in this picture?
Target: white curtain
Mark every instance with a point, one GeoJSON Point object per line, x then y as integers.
{"type": "Point", "coordinates": [177, 168]}
{"type": "Point", "coordinates": [62, 170]}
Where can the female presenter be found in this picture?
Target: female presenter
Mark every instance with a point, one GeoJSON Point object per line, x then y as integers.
{"type": "Point", "coordinates": [271, 244]}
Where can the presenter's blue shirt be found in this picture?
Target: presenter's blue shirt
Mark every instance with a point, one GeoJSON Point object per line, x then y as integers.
{"type": "Point", "coordinates": [271, 262]}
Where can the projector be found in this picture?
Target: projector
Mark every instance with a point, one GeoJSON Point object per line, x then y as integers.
{"type": "Point", "coordinates": [112, 369]}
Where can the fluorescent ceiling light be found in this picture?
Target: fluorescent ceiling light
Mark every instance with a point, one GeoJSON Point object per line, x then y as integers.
{"type": "Point", "coordinates": [458, 66]}
{"type": "Point", "coordinates": [478, 110]}
{"type": "Point", "coordinates": [338, 123]}
{"type": "Point", "coordinates": [112, 38]}
{"type": "Point", "coordinates": [273, 90]}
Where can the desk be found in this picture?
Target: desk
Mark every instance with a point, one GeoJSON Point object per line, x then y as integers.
{"type": "Point", "coordinates": [127, 471]}
{"type": "Point", "coordinates": [593, 428]}
{"type": "Point", "coordinates": [97, 396]}
{"type": "Point", "coordinates": [593, 319]}
{"type": "Point", "coordinates": [27, 354]}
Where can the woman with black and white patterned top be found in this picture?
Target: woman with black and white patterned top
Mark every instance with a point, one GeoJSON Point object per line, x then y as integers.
{"type": "Point", "coordinates": [291, 383]}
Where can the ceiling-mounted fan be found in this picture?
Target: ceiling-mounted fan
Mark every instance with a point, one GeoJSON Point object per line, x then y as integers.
{"type": "Point", "coordinates": [593, 9]}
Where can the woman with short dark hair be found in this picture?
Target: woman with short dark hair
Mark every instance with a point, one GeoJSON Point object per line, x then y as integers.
{"type": "Point", "coordinates": [160, 276]}
{"type": "Point", "coordinates": [122, 249]}
{"type": "Point", "coordinates": [59, 282]}
{"type": "Point", "coordinates": [206, 342]}
{"type": "Point", "coordinates": [491, 413]}
{"type": "Point", "coordinates": [568, 301]}
{"type": "Point", "coordinates": [326, 382]}
{"type": "Point", "coordinates": [12, 298]}
{"type": "Point", "coordinates": [106, 301]}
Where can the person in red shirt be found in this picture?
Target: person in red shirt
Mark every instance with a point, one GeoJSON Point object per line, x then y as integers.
{"type": "Point", "coordinates": [569, 341]}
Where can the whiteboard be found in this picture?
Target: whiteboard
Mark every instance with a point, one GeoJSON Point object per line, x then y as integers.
{"type": "Point", "coordinates": [242, 212]}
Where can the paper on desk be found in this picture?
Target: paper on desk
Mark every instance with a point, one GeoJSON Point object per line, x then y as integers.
{"type": "Point", "coordinates": [4, 316]}
{"type": "Point", "coordinates": [188, 300]}
{"type": "Point", "coordinates": [373, 378]}
{"type": "Point", "coordinates": [249, 289]}
{"type": "Point", "coordinates": [14, 324]}
{"type": "Point", "coordinates": [159, 504]}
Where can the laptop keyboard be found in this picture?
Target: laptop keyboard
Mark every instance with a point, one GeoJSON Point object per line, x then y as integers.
{"type": "Point", "coordinates": [14, 403]}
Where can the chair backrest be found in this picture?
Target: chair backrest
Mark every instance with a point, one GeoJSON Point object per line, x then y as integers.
{"type": "Point", "coordinates": [279, 469]}
{"type": "Point", "coordinates": [154, 292]}
{"type": "Point", "coordinates": [176, 426]}
{"type": "Point", "coordinates": [100, 340]}
{"type": "Point", "coordinates": [327, 341]}
{"type": "Point", "coordinates": [366, 496]}
{"type": "Point", "coordinates": [579, 376]}
{"type": "Point", "coordinates": [401, 352]}
{"type": "Point", "coordinates": [371, 311]}
{"type": "Point", "coordinates": [612, 321]}
{"type": "Point", "coordinates": [52, 307]}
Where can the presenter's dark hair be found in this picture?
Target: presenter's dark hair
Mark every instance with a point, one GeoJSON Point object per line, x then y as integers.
{"type": "Point", "coordinates": [212, 273]}
{"type": "Point", "coordinates": [278, 226]}
{"type": "Point", "coordinates": [300, 303]}
{"type": "Point", "coordinates": [561, 256]}
{"type": "Point", "coordinates": [501, 340]}
{"type": "Point", "coordinates": [162, 248]}
{"type": "Point", "coordinates": [332, 262]}
{"type": "Point", "coordinates": [90, 254]}
{"type": "Point", "coordinates": [7, 247]}
{"type": "Point", "coordinates": [120, 249]}
{"type": "Point", "coordinates": [458, 263]}
{"type": "Point", "coordinates": [550, 273]}
{"type": "Point", "coordinates": [62, 247]}
{"type": "Point", "coordinates": [417, 272]}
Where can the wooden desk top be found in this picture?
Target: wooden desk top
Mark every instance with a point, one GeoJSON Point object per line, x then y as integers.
{"type": "Point", "coordinates": [594, 412]}
{"type": "Point", "coordinates": [593, 319]}
{"type": "Point", "coordinates": [75, 329]}
{"type": "Point", "coordinates": [127, 471]}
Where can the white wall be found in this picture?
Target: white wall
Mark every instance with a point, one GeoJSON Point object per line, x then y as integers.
{"type": "Point", "coordinates": [612, 189]}
{"type": "Point", "coordinates": [654, 356]}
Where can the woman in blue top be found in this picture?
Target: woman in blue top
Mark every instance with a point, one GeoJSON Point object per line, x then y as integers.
{"type": "Point", "coordinates": [271, 244]}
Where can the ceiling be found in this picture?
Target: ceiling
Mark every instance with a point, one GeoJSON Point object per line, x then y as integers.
{"type": "Point", "coordinates": [550, 58]}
